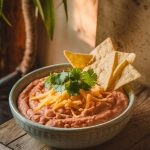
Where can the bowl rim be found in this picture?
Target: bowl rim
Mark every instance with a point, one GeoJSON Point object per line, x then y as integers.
{"type": "Point", "coordinates": [23, 119]}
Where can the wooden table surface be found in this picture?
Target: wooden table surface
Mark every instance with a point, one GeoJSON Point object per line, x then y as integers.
{"type": "Point", "coordinates": [135, 136]}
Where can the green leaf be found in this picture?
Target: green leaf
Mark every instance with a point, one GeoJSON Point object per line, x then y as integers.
{"type": "Point", "coordinates": [40, 9]}
{"type": "Point", "coordinates": [55, 78]}
{"type": "Point", "coordinates": [66, 8]}
{"type": "Point", "coordinates": [59, 88]}
{"type": "Point", "coordinates": [75, 73]}
{"type": "Point", "coordinates": [2, 14]}
{"type": "Point", "coordinates": [89, 77]}
{"type": "Point", "coordinates": [84, 86]}
{"type": "Point", "coordinates": [72, 87]}
{"type": "Point", "coordinates": [6, 20]}
{"type": "Point", "coordinates": [51, 80]}
{"type": "Point", "coordinates": [49, 17]}
{"type": "Point", "coordinates": [72, 81]}
{"type": "Point", "coordinates": [63, 76]}
{"type": "Point", "coordinates": [48, 83]}
{"type": "Point", "coordinates": [1, 6]}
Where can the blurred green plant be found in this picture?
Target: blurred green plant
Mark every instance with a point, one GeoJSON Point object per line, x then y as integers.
{"type": "Point", "coordinates": [2, 14]}
{"type": "Point", "coordinates": [46, 11]}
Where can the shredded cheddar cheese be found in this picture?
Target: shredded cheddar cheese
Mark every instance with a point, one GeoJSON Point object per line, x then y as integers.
{"type": "Point", "coordinates": [41, 96]}
{"type": "Point", "coordinates": [74, 104]}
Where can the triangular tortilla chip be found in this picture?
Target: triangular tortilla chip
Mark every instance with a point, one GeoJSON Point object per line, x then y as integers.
{"type": "Point", "coordinates": [108, 78]}
{"type": "Point", "coordinates": [128, 74]}
{"type": "Point", "coordinates": [103, 49]}
{"type": "Point", "coordinates": [100, 52]}
{"type": "Point", "coordinates": [105, 62]}
{"type": "Point", "coordinates": [117, 73]}
{"type": "Point", "coordinates": [121, 56]}
{"type": "Point", "coordinates": [123, 59]}
{"type": "Point", "coordinates": [104, 69]}
{"type": "Point", "coordinates": [77, 59]}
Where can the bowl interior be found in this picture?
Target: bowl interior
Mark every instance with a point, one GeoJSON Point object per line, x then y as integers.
{"type": "Point", "coordinates": [23, 82]}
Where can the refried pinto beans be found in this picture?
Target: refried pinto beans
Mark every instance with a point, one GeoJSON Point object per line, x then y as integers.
{"type": "Point", "coordinates": [73, 111]}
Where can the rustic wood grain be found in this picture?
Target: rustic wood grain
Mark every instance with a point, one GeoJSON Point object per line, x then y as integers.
{"type": "Point", "coordinates": [26, 142]}
{"type": "Point", "coordinates": [47, 148]}
{"type": "Point", "coordinates": [144, 144]}
{"type": "Point", "coordinates": [138, 88]}
{"type": "Point", "coordinates": [135, 136]}
{"type": "Point", "coordinates": [3, 147]}
{"type": "Point", "coordinates": [9, 131]}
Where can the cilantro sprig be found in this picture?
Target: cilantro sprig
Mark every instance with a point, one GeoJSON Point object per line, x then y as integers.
{"type": "Point", "coordinates": [72, 80]}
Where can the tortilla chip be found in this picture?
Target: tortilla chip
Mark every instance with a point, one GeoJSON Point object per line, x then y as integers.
{"type": "Point", "coordinates": [112, 67]}
{"type": "Point", "coordinates": [130, 57]}
{"type": "Point", "coordinates": [106, 47]}
{"type": "Point", "coordinates": [103, 49]}
{"type": "Point", "coordinates": [110, 72]}
{"type": "Point", "coordinates": [129, 73]}
{"type": "Point", "coordinates": [122, 60]}
{"type": "Point", "coordinates": [104, 69]}
{"type": "Point", "coordinates": [105, 62]}
{"type": "Point", "coordinates": [77, 59]}
{"type": "Point", "coordinates": [117, 73]}
{"type": "Point", "coordinates": [100, 53]}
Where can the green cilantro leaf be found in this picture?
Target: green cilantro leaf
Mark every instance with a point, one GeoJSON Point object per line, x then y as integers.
{"type": "Point", "coordinates": [75, 73]}
{"type": "Point", "coordinates": [84, 86]}
{"type": "Point", "coordinates": [47, 83]}
{"type": "Point", "coordinates": [54, 78]}
{"type": "Point", "coordinates": [72, 87]}
{"type": "Point", "coordinates": [89, 77]}
{"type": "Point", "coordinates": [63, 76]}
{"type": "Point", "coordinates": [59, 88]}
{"type": "Point", "coordinates": [72, 81]}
